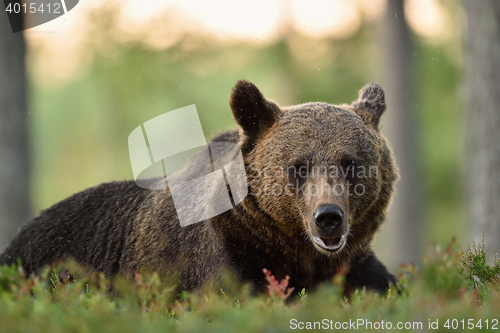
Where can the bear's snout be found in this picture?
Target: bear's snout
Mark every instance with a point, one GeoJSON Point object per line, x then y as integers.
{"type": "Point", "coordinates": [330, 231]}
{"type": "Point", "coordinates": [328, 218]}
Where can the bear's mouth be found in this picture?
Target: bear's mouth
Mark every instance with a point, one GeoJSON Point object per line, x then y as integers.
{"type": "Point", "coordinates": [331, 244]}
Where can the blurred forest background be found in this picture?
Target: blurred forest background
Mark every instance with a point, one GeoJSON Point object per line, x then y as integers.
{"type": "Point", "coordinates": [106, 67]}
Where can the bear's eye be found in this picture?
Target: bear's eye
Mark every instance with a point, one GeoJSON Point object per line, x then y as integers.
{"type": "Point", "coordinates": [298, 173]}
{"type": "Point", "coordinates": [349, 168]}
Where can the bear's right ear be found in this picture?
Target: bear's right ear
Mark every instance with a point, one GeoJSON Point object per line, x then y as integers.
{"type": "Point", "coordinates": [251, 110]}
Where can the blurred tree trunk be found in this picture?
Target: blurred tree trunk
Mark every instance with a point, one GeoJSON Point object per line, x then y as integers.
{"type": "Point", "coordinates": [482, 85]}
{"type": "Point", "coordinates": [400, 239]}
{"type": "Point", "coordinates": [14, 157]}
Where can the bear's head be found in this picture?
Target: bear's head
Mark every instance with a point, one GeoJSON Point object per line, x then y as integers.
{"type": "Point", "coordinates": [316, 170]}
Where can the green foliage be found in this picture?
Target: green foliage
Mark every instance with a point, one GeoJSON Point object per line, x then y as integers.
{"type": "Point", "coordinates": [440, 271]}
{"type": "Point", "coordinates": [450, 285]}
{"type": "Point", "coordinates": [476, 271]}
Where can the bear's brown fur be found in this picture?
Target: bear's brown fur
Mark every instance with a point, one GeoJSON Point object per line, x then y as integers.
{"type": "Point", "coordinates": [118, 227]}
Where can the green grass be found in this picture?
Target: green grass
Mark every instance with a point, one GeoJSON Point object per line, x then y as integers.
{"type": "Point", "coordinates": [453, 288]}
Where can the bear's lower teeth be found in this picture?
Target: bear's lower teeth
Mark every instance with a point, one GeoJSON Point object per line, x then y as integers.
{"type": "Point", "coordinates": [331, 241]}
{"type": "Point", "coordinates": [330, 244]}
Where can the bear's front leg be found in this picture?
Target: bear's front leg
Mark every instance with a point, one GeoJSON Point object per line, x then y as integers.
{"type": "Point", "coordinates": [369, 273]}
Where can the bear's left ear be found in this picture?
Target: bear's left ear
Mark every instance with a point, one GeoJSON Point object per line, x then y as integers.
{"type": "Point", "coordinates": [251, 110]}
{"type": "Point", "coordinates": [370, 104]}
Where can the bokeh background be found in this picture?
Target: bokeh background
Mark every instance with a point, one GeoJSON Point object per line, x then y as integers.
{"type": "Point", "coordinates": [104, 68]}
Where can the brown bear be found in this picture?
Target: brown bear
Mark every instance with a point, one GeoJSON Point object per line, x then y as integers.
{"type": "Point", "coordinates": [320, 179]}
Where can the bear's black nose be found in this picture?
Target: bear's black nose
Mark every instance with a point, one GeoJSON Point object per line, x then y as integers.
{"type": "Point", "coordinates": [328, 217]}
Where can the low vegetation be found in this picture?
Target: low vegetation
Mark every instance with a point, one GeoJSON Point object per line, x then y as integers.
{"type": "Point", "coordinates": [454, 289]}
